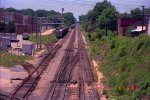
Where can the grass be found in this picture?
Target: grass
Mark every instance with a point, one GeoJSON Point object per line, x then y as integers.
{"type": "Point", "coordinates": [126, 62]}
{"type": "Point", "coordinates": [45, 38]}
{"type": "Point", "coordinates": [8, 60]}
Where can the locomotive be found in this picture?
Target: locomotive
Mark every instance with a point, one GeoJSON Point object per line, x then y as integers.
{"type": "Point", "coordinates": [60, 33]}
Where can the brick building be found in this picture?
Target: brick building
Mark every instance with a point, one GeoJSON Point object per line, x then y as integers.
{"type": "Point", "coordinates": [23, 23]}
{"type": "Point", "coordinates": [136, 24]}
{"type": "Point", "coordinates": [124, 23]}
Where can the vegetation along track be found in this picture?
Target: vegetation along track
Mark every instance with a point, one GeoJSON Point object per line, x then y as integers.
{"type": "Point", "coordinates": [86, 73]}
{"type": "Point", "coordinates": [59, 88]}
{"type": "Point", "coordinates": [29, 83]}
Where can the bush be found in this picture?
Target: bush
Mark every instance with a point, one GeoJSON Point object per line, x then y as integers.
{"type": "Point", "coordinates": [126, 61]}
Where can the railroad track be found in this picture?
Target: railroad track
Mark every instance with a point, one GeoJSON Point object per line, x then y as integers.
{"type": "Point", "coordinates": [65, 69]}
{"type": "Point", "coordinates": [29, 83]}
{"type": "Point", "coordinates": [86, 73]}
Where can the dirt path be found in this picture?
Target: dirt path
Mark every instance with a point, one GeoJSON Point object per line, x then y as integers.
{"type": "Point", "coordinates": [6, 74]}
{"type": "Point", "coordinates": [100, 79]}
{"type": "Point", "coordinates": [100, 76]}
{"type": "Point", "coordinates": [47, 32]}
{"type": "Point", "coordinates": [15, 72]}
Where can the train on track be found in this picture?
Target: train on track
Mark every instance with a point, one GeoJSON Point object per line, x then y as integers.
{"type": "Point", "coordinates": [60, 33]}
{"type": "Point", "coordinates": [72, 26]}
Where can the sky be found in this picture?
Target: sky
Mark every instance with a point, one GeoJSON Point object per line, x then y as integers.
{"type": "Point", "coordinates": [78, 7]}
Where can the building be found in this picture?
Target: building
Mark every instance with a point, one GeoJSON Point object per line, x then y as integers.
{"type": "Point", "coordinates": [23, 23]}
{"type": "Point", "coordinates": [136, 24]}
{"type": "Point", "coordinates": [124, 23]}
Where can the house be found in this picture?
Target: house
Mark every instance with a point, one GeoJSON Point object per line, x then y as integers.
{"type": "Point", "coordinates": [23, 23]}
{"type": "Point", "coordinates": [124, 23]}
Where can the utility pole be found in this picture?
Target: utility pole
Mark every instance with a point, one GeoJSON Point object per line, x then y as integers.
{"type": "Point", "coordinates": [4, 20]}
{"type": "Point", "coordinates": [63, 15]}
{"type": "Point", "coordinates": [40, 34]}
{"type": "Point", "coordinates": [143, 18]}
{"type": "Point", "coordinates": [37, 32]}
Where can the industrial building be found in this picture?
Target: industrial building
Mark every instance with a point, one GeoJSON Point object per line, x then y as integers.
{"type": "Point", "coordinates": [124, 23]}
{"type": "Point", "coordinates": [23, 23]}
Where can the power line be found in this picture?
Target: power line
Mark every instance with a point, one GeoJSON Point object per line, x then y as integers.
{"type": "Point", "coordinates": [84, 2]}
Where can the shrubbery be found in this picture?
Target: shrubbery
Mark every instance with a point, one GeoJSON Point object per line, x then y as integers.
{"type": "Point", "coordinates": [126, 64]}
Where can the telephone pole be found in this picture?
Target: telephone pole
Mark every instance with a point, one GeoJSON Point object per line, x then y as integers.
{"type": "Point", "coordinates": [40, 34]}
{"type": "Point", "coordinates": [143, 18]}
{"type": "Point", "coordinates": [63, 15]}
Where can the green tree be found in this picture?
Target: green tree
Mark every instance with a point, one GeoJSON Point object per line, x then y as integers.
{"type": "Point", "coordinates": [136, 13]}
{"type": "Point", "coordinates": [83, 18]}
{"type": "Point", "coordinates": [108, 19]}
{"type": "Point", "coordinates": [98, 9]}
{"type": "Point", "coordinates": [52, 13]}
{"type": "Point", "coordinates": [147, 10]}
{"type": "Point", "coordinates": [92, 15]}
{"type": "Point", "coordinates": [41, 13]}
{"type": "Point", "coordinates": [122, 15]}
{"type": "Point", "coordinates": [10, 9]}
{"type": "Point", "coordinates": [28, 11]}
{"type": "Point", "coordinates": [69, 18]}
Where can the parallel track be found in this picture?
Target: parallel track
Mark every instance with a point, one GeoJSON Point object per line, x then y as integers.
{"type": "Point", "coordinates": [28, 84]}
{"type": "Point", "coordinates": [60, 87]}
{"type": "Point", "coordinates": [58, 90]}
{"type": "Point", "coordinates": [86, 70]}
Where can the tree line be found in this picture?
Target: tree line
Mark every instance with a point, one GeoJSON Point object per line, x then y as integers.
{"type": "Point", "coordinates": [124, 61]}
{"type": "Point", "coordinates": [104, 16]}
{"type": "Point", "coordinates": [69, 18]}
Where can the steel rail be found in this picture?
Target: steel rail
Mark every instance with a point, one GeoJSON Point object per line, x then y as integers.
{"type": "Point", "coordinates": [65, 64]}
{"type": "Point", "coordinates": [36, 69]}
{"type": "Point", "coordinates": [95, 95]}
{"type": "Point", "coordinates": [29, 77]}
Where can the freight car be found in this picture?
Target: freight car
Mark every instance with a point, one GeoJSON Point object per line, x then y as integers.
{"type": "Point", "coordinates": [60, 33]}
{"type": "Point", "coordinates": [72, 26]}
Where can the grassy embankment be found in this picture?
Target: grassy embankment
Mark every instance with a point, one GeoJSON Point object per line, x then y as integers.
{"type": "Point", "coordinates": [45, 38]}
{"type": "Point", "coordinates": [7, 59]}
{"type": "Point", "coordinates": [125, 64]}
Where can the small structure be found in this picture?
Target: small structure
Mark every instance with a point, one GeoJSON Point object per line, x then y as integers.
{"type": "Point", "coordinates": [28, 48]}
{"type": "Point", "coordinates": [137, 31]}
{"type": "Point", "coordinates": [25, 36]}
{"type": "Point", "coordinates": [124, 23]}
{"type": "Point", "coordinates": [6, 41]}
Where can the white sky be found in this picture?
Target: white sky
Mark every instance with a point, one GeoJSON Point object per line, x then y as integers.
{"type": "Point", "coordinates": [78, 7]}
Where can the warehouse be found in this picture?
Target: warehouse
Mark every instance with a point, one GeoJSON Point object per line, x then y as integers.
{"type": "Point", "coordinates": [23, 23]}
